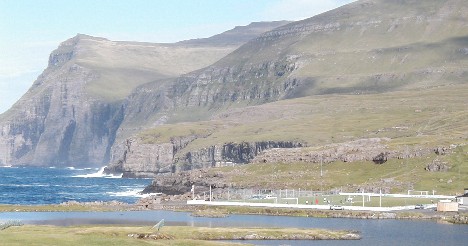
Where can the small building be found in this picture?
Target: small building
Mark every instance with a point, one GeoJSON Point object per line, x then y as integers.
{"type": "Point", "coordinates": [447, 206]}
{"type": "Point", "coordinates": [463, 199]}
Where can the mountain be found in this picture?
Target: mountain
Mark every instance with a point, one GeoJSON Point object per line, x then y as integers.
{"type": "Point", "coordinates": [368, 47]}
{"type": "Point", "coordinates": [363, 47]}
{"type": "Point", "coordinates": [367, 70]}
{"type": "Point", "coordinates": [238, 35]}
{"type": "Point", "coordinates": [72, 111]}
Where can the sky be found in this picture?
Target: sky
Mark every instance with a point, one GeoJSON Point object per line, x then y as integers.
{"type": "Point", "coordinates": [31, 29]}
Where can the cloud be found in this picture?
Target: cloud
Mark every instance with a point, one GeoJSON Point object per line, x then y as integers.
{"type": "Point", "coordinates": [300, 9]}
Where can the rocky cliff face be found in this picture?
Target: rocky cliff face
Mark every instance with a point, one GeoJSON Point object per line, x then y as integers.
{"type": "Point", "coordinates": [247, 83]}
{"type": "Point", "coordinates": [139, 159]}
{"type": "Point", "coordinates": [359, 48]}
{"type": "Point", "coordinates": [71, 114]}
{"type": "Point", "coordinates": [56, 122]}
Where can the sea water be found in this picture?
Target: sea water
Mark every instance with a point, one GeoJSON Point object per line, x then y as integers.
{"type": "Point", "coordinates": [33, 185]}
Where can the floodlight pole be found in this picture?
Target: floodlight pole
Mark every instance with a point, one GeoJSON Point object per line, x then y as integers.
{"type": "Point", "coordinates": [363, 197]}
{"type": "Point", "coordinates": [321, 170]}
{"type": "Point", "coordinates": [193, 192]}
{"type": "Point", "coordinates": [321, 175]}
{"type": "Point", "coordinates": [380, 197]}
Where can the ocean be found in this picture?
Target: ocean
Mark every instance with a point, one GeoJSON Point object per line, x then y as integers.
{"type": "Point", "coordinates": [33, 185]}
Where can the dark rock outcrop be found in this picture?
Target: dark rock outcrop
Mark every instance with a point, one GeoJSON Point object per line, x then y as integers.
{"type": "Point", "coordinates": [437, 166]}
{"type": "Point", "coordinates": [380, 158]}
{"type": "Point", "coordinates": [182, 182]}
{"type": "Point", "coordinates": [138, 159]}
{"type": "Point", "coordinates": [358, 150]}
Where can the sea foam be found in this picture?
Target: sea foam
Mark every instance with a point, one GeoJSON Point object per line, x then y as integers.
{"type": "Point", "coordinates": [131, 193]}
{"type": "Point", "coordinates": [99, 174]}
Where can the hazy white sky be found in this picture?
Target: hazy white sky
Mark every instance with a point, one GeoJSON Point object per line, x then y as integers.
{"type": "Point", "coordinates": [31, 29]}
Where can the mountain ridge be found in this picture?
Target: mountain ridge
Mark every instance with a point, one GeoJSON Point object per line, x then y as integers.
{"type": "Point", "coordinates": [71, 113]}
{"type": "Point", "coordinates": [367, 47]}
{"type": "Point", "coordinates": [360, 48]}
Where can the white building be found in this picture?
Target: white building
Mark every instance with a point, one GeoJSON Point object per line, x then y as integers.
{"type": "Point", "coordinates": [463, 199]}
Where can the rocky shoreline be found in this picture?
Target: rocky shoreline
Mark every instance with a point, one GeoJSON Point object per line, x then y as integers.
{"type": "Point", "coordinates": [262, 234]}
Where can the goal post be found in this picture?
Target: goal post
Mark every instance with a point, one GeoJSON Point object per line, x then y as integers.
{"type": "Point", "coordinates": [418, 192]}
{"type": "Point", "coordinates": [294, 198]}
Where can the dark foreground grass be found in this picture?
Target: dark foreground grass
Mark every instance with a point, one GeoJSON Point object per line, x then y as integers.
{"type": "Point", "coordinates": [170, 235]}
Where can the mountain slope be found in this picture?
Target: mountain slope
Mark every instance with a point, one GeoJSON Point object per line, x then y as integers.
{"type": "Point", "coordinates": [367, 47]}
{"type": "Point", "coordinates": [237, 35]}
{"type": "Point", "coordinates": [72, 111]}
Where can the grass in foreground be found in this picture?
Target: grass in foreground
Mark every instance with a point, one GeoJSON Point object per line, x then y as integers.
{"type": "Point", "coordinates": [181, 235]}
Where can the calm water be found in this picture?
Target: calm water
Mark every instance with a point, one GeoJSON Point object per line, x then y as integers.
{"type": "Point", "coordinates": [30, 186]}
{"type": "Point", "coordinates": [374, 232]}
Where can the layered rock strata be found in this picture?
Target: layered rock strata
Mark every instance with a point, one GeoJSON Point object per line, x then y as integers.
{"type": "Point", "coordinates": [139, 159]}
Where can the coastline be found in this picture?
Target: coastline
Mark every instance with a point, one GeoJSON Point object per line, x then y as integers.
{"type": "Point", "coordinates": [460, 217]}
{"type": "Point", "coordinates": [107, 231]}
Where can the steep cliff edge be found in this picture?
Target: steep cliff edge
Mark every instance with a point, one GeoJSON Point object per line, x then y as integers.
{"type": "Point", "coordinates": [72, 112]}
{"type": "Point", "coordinates": [140, 159]}
{"type": "Point", "coordinates": [368, 47]}
{"type": "Point", "coordinates": [359, 48]}
{"type": "Point", "coordinates": [56, 122]}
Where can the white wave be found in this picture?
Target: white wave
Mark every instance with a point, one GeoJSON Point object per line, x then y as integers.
{"type": "Point", "coordinates": [78, 169]}
{"type": "Point", "coordinates": [6, 166]}
{"type": "Point", "coordinates": [99, 174]}
{"type": "Point", "coordinates": [131, 193]}
{"type": "Point", "coordinates": [52, 167]}
{"type": "Point", "coordinates": [25, 185]}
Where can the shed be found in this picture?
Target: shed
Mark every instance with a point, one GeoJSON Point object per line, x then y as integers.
{"type": "Point", "coordinates": [447, 206]}
{"type": "Point", "coordinates": [463, 200]}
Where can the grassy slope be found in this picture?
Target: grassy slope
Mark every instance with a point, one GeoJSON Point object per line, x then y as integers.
{"type": "Point", "coordinates": [416, 47]}
{"type": "Point", "coordinates": [377, 47]}
{"type": "Point", "coordinates": [122, 66]}
{"type": "Point", "coordinates": [428, 118]}
{"type": "Point", "coordinates": [404, 174]}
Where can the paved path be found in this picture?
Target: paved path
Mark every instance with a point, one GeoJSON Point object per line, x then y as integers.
{"type": "Point", "coordinates": [301, 206]}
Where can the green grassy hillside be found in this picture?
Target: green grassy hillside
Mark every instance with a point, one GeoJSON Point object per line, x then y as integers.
{"type": "Point", "coordinates": [430, 117]}
{"type": "Point", "coordinates": [123, 66]}
{"type": "Point", "coordinates": [368, 46]}
{"type": "Point", "coordinates": [411, 119]}
{"type": "Point", "coordinates": [396, 176]}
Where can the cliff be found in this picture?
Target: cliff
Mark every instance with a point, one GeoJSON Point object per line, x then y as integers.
{"type": "Point", "coordinates": [370, 47]}
{"type": "Point", "coordinates": [139, 159]}
{"type": "Point", "coordinates": [72, 113]}
{"type": "Point", "coordinates": [361, 71]}
{"type": "Point", "coordinates": [56, 122]}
